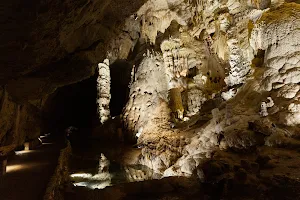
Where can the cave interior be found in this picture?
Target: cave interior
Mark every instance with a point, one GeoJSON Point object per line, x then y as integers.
{"type": "Point", "coordinates": [155, 99]}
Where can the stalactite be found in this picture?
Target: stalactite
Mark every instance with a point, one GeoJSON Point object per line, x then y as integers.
{"type": "Point", "coordinates": [175, 101]}
{"type": "Point", "coordinates": [103, 89]}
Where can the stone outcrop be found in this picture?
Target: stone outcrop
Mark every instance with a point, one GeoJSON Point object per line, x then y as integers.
{"type": "Point", "coordinates": [229, 44]}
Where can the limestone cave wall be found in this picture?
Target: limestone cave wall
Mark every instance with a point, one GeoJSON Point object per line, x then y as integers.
{"type": "Point", "coordinates": [206, 76]}
{"type": "Point", "coordinates": [234, 65]}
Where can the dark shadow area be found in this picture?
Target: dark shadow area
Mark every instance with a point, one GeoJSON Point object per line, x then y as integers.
{"type": "Point", "coordinates": [72, 105]}
{"type": "Point", "coordinates": [120, 72]}
{"type": "Point", "coordinates": [28, 173]}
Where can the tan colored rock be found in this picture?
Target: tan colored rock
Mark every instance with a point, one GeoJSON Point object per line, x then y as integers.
{"type": "Point", "coordinates": [288, 91]}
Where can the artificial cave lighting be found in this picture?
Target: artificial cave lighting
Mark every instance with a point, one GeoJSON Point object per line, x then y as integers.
{"type": "Point", "coordinates": [13, 168]}
{"type": "Point", "coordinates": [23, 167]}
{"type": "Point", "coordinates": [24, 152]}
{"type": "Point", "coordinates": [138, 134]}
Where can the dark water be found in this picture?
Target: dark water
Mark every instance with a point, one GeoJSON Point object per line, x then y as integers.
{"type": "Point", "coordinates": [84, 167]}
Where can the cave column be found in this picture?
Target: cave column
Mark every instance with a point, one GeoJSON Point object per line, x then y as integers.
{"type": "Point", "coordinates": [103, 90]}
{"type": "Point", "coordinates": [175, 68]}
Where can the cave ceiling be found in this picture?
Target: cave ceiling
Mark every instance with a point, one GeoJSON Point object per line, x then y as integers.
{"type": "Point", "coordinates": [48, 44]}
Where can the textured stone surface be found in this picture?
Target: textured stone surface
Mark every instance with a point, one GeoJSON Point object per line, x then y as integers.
{"type": "Point", "coordinates": [18, 122]}
{"type": "Point", "coordinates": [47, 31]}
{"type": "Point", "coordinates": [234, 67]}
{"type": "Point", "coordinates": [249, 45]}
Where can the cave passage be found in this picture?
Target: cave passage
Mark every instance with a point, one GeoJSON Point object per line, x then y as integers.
{"type": "Point", "coordinates": [73, 105]}
{"type": "Point", "coordinates": [120, 72]}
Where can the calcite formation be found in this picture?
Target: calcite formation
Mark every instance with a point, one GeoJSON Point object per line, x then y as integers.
{"type": "Point", "coordinates": [208, 77]}
{"type": "Point", "coordinates": [235, 56]}
{"type": "Point", "coordinates": [103, 88]}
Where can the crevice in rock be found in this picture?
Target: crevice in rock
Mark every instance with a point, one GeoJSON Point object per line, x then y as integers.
{"type": "Point", "coordinates": [72, 105]}
{"type": "Point", "coordinates": [120, 78]}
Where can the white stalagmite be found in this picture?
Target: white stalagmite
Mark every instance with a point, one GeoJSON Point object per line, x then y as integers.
{"type": "Point", "coordinates": [103, 89]}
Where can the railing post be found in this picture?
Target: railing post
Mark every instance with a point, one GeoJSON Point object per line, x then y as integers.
{"type": "Point", "coordinates": [3, 164]}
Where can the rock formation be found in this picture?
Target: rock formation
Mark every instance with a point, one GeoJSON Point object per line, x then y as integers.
{"type": "Point", "coordinates": [210, 78]}
{"type": "Point", "coordinates": [103, 89]}
{"type": "Point", "coordinates": [226, 44]}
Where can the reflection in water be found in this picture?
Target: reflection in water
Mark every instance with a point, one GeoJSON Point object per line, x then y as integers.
{"type": "Point", "coordinates": [81, 175]}
{"type": "Point", "coordinates": [19, 153]}
{"type": "Point", "coordinates": [99, 181]}
{"type": "Point", "coordinates": [115, 175]}
{"type": "Point", "coordinates": [91, 169]}
{"type": "Point", "coordinates": [92, 185]}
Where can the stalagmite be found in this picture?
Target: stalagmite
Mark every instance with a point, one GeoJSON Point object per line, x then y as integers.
{"type": "Point", "coordinates": [265, 105]}
{"type": "Point", "coordinates": [103, 164]}
{"type": "Point", "coordinates": [263, 109]}
{"type": "Point", "coordinates": [103, 89]}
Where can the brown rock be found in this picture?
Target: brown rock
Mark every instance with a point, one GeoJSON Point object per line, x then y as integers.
{"type": "Point", "coordinates": [245, 165]}
{"type": "Point", "coordinates": [255, 168]}
{"type": "Point", "coordinates": [3, 163]}
{"type": "Point", "coordinates": [262, 160]}
{"type": "Point", "coordinates": [241, 176]}
{"type": "Point", "coordinates": [264, 126]}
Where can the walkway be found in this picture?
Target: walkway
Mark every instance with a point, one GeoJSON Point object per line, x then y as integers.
{"type": "Point", "coordinates": [28, 172]}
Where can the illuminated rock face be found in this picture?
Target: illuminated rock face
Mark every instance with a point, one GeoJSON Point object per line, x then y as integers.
{"type": "Point", "coordinates": [148, 89]}
{"type": "Point", "coordinates": [221, 66]}
{"type": "Point", "coordinates": [227, 44]}
{"type": "Point", "coordinates": [276, 34]}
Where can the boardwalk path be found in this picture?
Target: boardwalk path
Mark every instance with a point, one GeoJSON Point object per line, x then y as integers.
{"type": "Point", "coordinates": [28, 173]}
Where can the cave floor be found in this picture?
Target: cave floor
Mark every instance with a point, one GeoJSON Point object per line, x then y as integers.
{"type": "Point", "coordinates": [28, 172]}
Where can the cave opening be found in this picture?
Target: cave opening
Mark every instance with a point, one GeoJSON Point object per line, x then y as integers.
{"type": "Point", "coordinates": [72, 105]}
{"type": "Point", "coordinates": [120, 72]}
